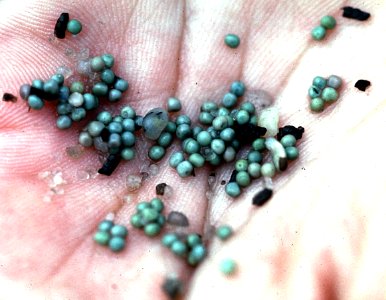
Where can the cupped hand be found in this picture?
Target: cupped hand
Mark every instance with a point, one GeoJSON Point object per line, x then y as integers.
{"type": "Point", "coordinates": [320, 237]}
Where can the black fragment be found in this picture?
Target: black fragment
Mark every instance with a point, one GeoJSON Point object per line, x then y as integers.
{"type": "Point", "coordinates": [42, 94]}
{"type": "Point", "coordinates": [105, 134]}
{"type": "Point", "coordinates": [247, 133]}
{"type": "Point", "coordinates": [283, 164]}
{"type": "Point", "coordinates": [223, 182]}
{"type": "Point", "coordinates": [7, 97]}
{"type": "Point", "coordinates": [289, 129]}
{"type": "Point", "coordinates": [172, 287]}
{"type": "Point", "coordinates": [233, 176]}
{"type": "Point", "coordinates": [110, 164]}
{"type": "Point", "coordinates": [262, 197]}
{"type": "Point", "coordinates": [362, 84]}
{"type": "Point", "coordinates": [355, 13]}
{"type": "Point", "coordinates": [138, 120]}
{"type": "Point", "coordinates": [160, 188]}
{"type": "Point", "coordinates": [61, 25]}
{"type": "Point", "coordinates": [177, 218]}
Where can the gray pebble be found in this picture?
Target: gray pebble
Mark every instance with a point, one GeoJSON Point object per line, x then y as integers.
{"type": "Point", "coordinates": [177, 218]}
{"type": "Point", "coordinates": [154, 123]}
{"type": "Point", "coordinates": [334, 82]}
{"type": "Point", "coordinates": [24, 91]}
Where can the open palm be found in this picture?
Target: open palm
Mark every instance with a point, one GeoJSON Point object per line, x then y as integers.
{"type": "Point", "coordinates": [318, 238]}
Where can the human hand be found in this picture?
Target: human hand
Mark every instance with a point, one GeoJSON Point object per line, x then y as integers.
{"type": "Point", "coordinates": [319, 235]}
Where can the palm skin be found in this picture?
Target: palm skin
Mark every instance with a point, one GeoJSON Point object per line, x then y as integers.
{"type": "Point", "coordinates": [318, 238]}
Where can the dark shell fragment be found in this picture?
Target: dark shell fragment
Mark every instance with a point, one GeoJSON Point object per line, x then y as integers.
{"type": "Point", "coordinates": [61, 25]}
{"type": "Point", "coordinates": [262, 197]}
{"type": "Point", "coordinates": [362, 84]}
{"type": "Point", "coordinates": [7, 97]}
{"type": "Point", "coordinates": [110, 164]}
{"type": "Point", "coordinates": [355, 13]}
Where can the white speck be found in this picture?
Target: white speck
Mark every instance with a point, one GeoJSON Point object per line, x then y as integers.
{"type": "Point", "coordinates": [127, 199]}
{"type": "Point", "coordinates": [168, 192]}
{"type": "Point", "coordinates": [133, 182]}
{"type": "Point", "coordinates": [82, 175]}
{"type": "Point", "coordinates": [84, 53]}
{"type": "Point", "coordinates": [211, 181]}
{"type": "Point", "coordinates": [44, 174]}
{"type": "Point", "coordinates": [110, 216]}
{"type": "Point", "coordinates": [65, 71]}
{"type": "Point", "coordinates": [209, 195]}
{"type": "Point", "coordinates": [48, 196]}
{"type": "Point", "coordinates": [153, 170]}
{"type": "Point", "coordinates": [69, 52]}
{"type": "Point", "coordinates": [84, 67]}
{"type": "Point", "coordinates": [58, 179]}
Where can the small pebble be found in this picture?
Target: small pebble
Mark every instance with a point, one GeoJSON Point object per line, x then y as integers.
{"type": "Point", "coordinates": [268, 170]}
{"type": "Point", "coordinates": [77, 86]}
{"type": "Point", "coordinates": [25, 91]}
{"type": "Point", "coordinates": [328, 22]}
{"type": "Point", "coordinates": [224, 232]}
{"type": "Point", "coordinates": [317, 104]}
{"type": "Point", "coordinates": [334, 82]}
{"type": "Point", "coordinates": [74, 26]}
{"type": "Point", "coordinates": [115, 95]}
{"type": "Point", "coordinates": [319, 82]}
{"type": "Point", "coordinates": [108, 59]}
{"type": "Point", "coordinates": [119, 230]}
{"type": "Point", "coordinates": [237, 88]}
{"type": "Point", "coordinates": [229, 100]}
{"type": "Point", "coordinates": [85, 139]}
{"type": "Point", "coordinates": [232, 40]}
{"type": "Point", "coordinates": [173, 104]}
{"type": "Point", "coordinates": [102, 238]}
{"type": "Point", "coordinates": [329, 94]}
{"type": "Point", "coordinates": [318, 33]}
{"type": "Point", "coordinates": [292, 153]}
{"type": "Point", "coordinates": [117, 244]}
{"type": "Point", "coordinates": [175, 159]}
{"type": "Point", "coordinates": [228, 266]}
{"type": "Point", "coordinates": [105, 225]}
{"type": "Point", "coordinates": [184, 169]}
{"type": "Point", "coordinates": [121, 85]}
{"type": "Point", "coordinates": [233, 189]}
{"type": "Point", "coordinates": [156, 152]}
{"type": "Point", "coordinates": [63, 122]}
{"type": "Point", "coordinates": [152, 229]}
